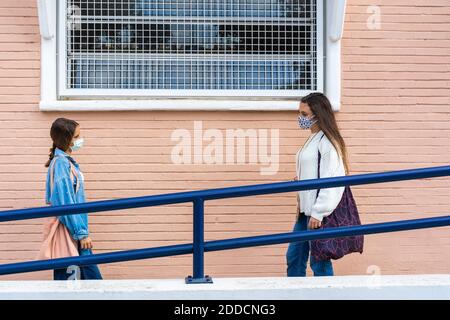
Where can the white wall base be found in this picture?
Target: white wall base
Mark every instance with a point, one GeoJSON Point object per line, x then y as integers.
{"type": "Point", "coordinates": [328, 288]}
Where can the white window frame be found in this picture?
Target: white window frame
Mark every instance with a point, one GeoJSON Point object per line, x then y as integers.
{"type": "Point", "coordinates": [55, 97]}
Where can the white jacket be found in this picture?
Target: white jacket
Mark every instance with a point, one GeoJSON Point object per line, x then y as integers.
{"type": "Point", "coordinates": [331, 165]}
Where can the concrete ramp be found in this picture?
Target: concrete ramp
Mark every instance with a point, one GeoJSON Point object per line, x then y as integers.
{"type": "Point", "coordinates": [327, 288]}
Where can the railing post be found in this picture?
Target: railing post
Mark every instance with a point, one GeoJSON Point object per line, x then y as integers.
{"type": "Point", "coordinates": [199, 242]}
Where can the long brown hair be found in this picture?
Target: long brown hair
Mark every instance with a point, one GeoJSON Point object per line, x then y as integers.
{"type": "Point", "coordinates": [323, 112]}
{"type": "Point", "coordinates": [62, 133]}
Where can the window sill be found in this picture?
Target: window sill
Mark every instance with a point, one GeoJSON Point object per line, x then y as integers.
{"type": "Point", "coordinates": [167, 105]}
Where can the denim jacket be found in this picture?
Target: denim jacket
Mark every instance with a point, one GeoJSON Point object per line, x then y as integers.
{"type": "Point", "coordinates": [63, 193]}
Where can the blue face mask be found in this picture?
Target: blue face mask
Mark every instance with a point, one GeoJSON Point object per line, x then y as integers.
{"type": "Point", "coordinates": [306, 123]}
{"type": "Point", "coordinates": [77, 144]}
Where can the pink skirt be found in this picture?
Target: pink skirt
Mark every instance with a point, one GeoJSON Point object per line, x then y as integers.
{"type": "Point", "coordinates": [57, 241]}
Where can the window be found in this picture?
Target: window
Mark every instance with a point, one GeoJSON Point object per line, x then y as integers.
{"type": "Point", "coordinates": [189, 48]}
{"type": "Point", "coordinates": [188, 54]}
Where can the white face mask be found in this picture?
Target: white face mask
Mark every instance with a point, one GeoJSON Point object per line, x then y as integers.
{"type": "Point", "coordinates": [77, 144]}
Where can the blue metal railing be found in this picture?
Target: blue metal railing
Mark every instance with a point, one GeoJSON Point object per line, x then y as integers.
{"type": "Point", "coordinates": [199, 246]}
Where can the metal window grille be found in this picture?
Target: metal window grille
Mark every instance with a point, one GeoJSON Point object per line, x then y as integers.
{"type": "Point", "coordinates": [191, 45]}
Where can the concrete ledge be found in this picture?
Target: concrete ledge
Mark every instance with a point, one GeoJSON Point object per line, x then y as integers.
{"type": "Point", "coordinates": [326, 288]}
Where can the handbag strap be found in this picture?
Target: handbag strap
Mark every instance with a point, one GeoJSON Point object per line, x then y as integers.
{"type": "Point", "coordinates": [73, 174]}
{"type": "Point", "coordinates": [318, 165]}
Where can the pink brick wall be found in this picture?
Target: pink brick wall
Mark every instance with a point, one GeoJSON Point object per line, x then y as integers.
{"type": "Point", "coordinates": [395, 115]}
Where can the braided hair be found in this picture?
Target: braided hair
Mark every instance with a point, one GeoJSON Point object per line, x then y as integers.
{"type": "Point", "coordinates": [61, 132]}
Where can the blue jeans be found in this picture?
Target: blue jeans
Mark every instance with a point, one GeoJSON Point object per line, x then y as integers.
{"type": "Point", "coordinates": [298, 253]}
{"type": "Point", "coordinates": [91, 272]}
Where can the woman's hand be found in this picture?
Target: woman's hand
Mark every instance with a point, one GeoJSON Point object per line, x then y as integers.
{"type": "Point", "coordinates": [314, 223]}
{"type": "Point", "coordinates": [86, 243]}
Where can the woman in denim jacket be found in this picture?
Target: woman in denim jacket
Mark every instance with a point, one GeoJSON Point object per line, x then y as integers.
{"type": "Point", "coordinates": [65, 185]}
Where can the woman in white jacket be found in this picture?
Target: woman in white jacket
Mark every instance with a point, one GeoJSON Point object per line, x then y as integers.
{"type": "Point", "coordinates": [316, 114]}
